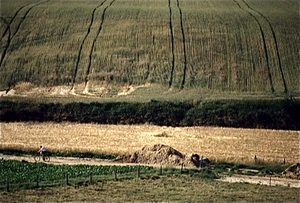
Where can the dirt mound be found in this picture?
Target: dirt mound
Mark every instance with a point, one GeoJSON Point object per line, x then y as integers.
{"type": "Point", "coordinates": [163, 155]}
{"type": "Point", "coordinates": [292, 172]}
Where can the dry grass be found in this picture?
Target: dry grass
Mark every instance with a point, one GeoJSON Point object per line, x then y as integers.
{"type": "Point", "coordinates": [220, 144]}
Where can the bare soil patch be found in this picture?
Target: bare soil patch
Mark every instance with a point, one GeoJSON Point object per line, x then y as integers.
{"type": "Point", "coordinates": [160, 154]}
{"type": "Point", "coordinates": [262, 180]}
{"type": "Point", "coordinates": [292, 172]}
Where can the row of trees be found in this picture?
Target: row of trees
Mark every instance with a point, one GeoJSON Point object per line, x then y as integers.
{"type": "Point", "coordinates": [276, 114]}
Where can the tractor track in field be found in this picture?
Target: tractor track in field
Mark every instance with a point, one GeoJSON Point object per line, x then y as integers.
{"type": "Point", "coordinates": [264, 44]}
{"type": "Point", "coordinates": [172, 45]}
{"type": "Point", "coordinates": [94, 42]}
{"type": "Point", "coordinates": [83, 41]}
{"type": "Point", "coordinates": [9, 35]}
{"type": "Point", "coordinates": [18, 27]}
{"type": "Point", "coordinates": [12, 19]}
{"type": "Point", "coordinates": [184, 46]}
{"type": "Point", "coordinates": [276, 45]}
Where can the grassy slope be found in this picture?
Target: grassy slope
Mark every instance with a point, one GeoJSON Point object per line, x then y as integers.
{"type": "Point", "coordinates": [223, 44]}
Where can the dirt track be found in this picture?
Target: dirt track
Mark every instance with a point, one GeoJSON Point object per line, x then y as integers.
{"type": "Point", "coordinates": [262, 180]}
{"type": "Point", "coordinates": [235, 178]}
{"type": "Point", "coordinates": [66, 160]}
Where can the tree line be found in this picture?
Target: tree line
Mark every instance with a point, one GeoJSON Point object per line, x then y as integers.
{"type": "Point", "coordinates": [265, 114]}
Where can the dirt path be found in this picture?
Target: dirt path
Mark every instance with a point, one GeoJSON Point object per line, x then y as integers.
{"type": "Point", "coordinates": [66, 160]}
{"type": "Point", "coordinates": [262, 180]}
{"type": "Point", "coordinates": [234, 178]}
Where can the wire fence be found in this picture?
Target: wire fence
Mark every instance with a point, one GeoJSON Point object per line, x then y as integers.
{"type": "Point", "coordinates": [140, 173]}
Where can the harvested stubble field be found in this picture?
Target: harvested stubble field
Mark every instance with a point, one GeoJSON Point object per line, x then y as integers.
{"type": "Point", "coordinates": [219, 144]}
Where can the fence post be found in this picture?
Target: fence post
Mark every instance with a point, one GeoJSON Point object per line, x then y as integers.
{"type": "Point", "coordinates": [181, 170]}
{"type": "Point", "coordinates": [91, 179]}
{"type": "Point", "coordinates": [139, 172]}
{"type": "Point", "coordinates": [201, 161]}
{"type": "Point", "coordinates": [37, 181]}
{"type": "Point", "coordinates": [160, 171]}
{"type": "Point", "coordinates": [67, 179]}
{"type": "Point", "coordinates": [283, 161]}
{"type": "Point", "coordinates": [7, 185]}
{"type": "Point", "coordinates": [115, 172]}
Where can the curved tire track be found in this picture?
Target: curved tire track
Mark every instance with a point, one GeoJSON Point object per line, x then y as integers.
{"type": "Point", "coordinates": [8, 38]}
{"type": "Point", "coordinates": [13, 18]}
{"type": "Point", "coordinates": [276, 46]}
{"type": "Point", "coordinates": [172, 46]}
{"type": "Point", "coordinates": [83, 41]}
{"type": "Point", "coordinates": [94, 41]}
{"type": "Point", "coordinates": [264, 43]}
{"type": "Point", "coordinates": [18, 27]}
{"type": "Point", "coordinates": [184, 46]}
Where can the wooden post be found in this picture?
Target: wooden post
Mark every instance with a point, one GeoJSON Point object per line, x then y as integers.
{"type": "Point", "coordinates": [7, 185]}
{"type": "Point", "coordinates": [283, 161]}
{"type": "Point", "coordinates": [116, 177]}
{"type": "Point", "coordinates": [91, 178]}
{"type": "Point", "coordinates": [67, 179]}
{"type": "Point", "coordinates": [255, 159]}
{"type": "Point", "coordinates": [160, 171]}
{"type": "Point", "coordinates": [139, 172]}
{"type": "Point", "coordinates": [181, 168]}
{"type": "Point", "coordinates": [201, 161]}
{"type": "Point", "coordinates": [37, 181]}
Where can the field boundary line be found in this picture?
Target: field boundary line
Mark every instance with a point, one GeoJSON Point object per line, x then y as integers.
{"type": "Point", "coordinates": [264, 43]}
{"type": "Point", "coordinates": [276, 45]}
{"type": "Point", "coordinates": [83, 41]}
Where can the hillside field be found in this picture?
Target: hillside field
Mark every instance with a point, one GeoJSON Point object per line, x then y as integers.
{"type": "Point", "coordinates": [87, 45]}
{"type": "Point", "coordinates": [218, 144]}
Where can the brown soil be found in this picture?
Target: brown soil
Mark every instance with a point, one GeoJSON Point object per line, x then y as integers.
{"type": "Point", "coordinates": [160, 154]}
{"type": "Point", "coordinates": [262, 180]}
{"type": "Point", "coordinates": [292, 172]}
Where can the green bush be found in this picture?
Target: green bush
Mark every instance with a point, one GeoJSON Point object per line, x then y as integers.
{"type": "Point", "coordinates": [272, 114]}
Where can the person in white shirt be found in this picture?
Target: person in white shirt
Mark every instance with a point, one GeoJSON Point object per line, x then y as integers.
{"type": "Point", "coordinates": [42, 151]}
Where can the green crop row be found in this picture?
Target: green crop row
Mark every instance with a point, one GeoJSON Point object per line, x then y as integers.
{"type": "Point", "coordinates": [272, 114]}
{"type": "Point", "coordinates": [23, 171]}
{"type": "Point", "coordinates": [17, 152]}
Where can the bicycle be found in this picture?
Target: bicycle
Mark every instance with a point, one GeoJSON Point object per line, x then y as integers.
{"type": "Point", "coordinates": [39, 157]}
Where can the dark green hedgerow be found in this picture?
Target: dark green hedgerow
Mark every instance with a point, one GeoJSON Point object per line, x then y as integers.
{"type": "Point", "coordinates": [17, 152]}
{"type": "Point", "coordinates": [271, 114]}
